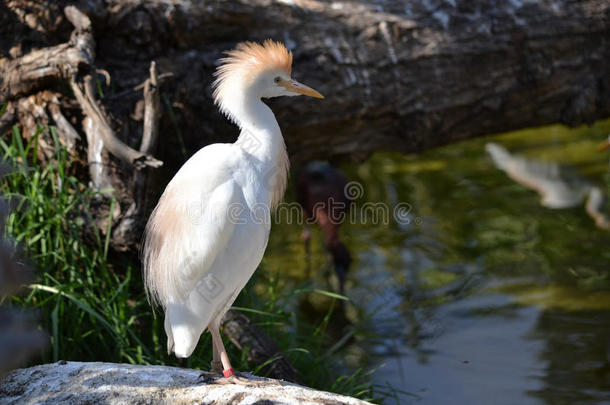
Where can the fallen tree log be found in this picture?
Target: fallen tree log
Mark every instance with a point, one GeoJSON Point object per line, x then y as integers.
{"type": "Point", "coordinates": [399, 75]}
{"type": "Point", "coordinates": [402, 76]}
{"type": "Point", "coordinates": [98, 383]}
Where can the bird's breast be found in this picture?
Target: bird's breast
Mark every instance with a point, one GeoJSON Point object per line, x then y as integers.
{"type": "Point", "coordinates": [259, 183]}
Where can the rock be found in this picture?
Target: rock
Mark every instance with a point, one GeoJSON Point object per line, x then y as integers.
{"type": "Point", "coordinates": [97, 383]}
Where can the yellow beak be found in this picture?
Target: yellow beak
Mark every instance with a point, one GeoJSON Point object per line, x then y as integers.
{"type": "Point", "coordinates": [300, 88]}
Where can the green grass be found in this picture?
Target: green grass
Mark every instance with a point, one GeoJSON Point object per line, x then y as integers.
{"type": "Point", "coordinates": [92, 303]}
{"type": "Point", "coordinates": [90, 307]}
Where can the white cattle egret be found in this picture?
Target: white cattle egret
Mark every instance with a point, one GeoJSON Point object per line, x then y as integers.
{"type": "Point", "coordinates": [208, 233]}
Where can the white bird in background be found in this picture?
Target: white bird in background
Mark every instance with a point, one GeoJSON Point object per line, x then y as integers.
{"type": "Point", "coordinates": [558, 187]}
{"type": "Point", "coordinates": [209, 231]}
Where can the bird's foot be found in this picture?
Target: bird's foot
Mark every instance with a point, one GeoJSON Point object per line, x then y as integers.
{"type": "Point", "coordinates": [242, 379]}
{"type": "Point", "coordinates": [214, 377]}
{"type": "Point", "coordinates": [234, 377]}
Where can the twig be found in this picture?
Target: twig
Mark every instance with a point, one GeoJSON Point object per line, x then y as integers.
{"type": "Point", "coordinates": [111, 142]}
{"type": "Point", "coordinates": [33, 70]}
{"type": "Point", "coordinates": [151, 112]}
{"type": "Point", "coordinates": [127, 228]}
{"type": "Point", "coordinates": [65, 130]}
{"type": "Point", "coordinates": [95, 156]}
{"type": "Point", "coordinates": [160, 79]}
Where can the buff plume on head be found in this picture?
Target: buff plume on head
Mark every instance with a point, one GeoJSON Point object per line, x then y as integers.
{"type": "Point", "coordinates": [250, 58]}
{"type": "Point", "coordinates": [255, 70]}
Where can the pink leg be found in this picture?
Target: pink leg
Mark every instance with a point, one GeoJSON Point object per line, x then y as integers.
{"type": "Point", "coordinates": [221, 360]}
{"type": "Point", "coordinates": [220, 351]}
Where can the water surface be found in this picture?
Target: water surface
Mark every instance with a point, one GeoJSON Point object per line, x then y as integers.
{"type": "Point", "coordinates": [471, 292]}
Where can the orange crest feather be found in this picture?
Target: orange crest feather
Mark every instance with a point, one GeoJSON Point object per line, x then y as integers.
{"type": "Point", "coordinates": [250, 58]}
{"type": "Point", "coordinates": [256, 57]}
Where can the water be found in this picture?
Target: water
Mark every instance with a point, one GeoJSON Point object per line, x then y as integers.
{"type": "Point", "coordinates": [471, 292]}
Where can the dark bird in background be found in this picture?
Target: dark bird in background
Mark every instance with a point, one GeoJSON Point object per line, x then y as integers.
{"type": "Point", "coordinates": [321, 192]}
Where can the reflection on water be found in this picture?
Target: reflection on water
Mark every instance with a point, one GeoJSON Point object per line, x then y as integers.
{"type": "Point", "coordinates": [321, 192]}
{"type": "Point", "coordinates": [484, 296]}
{"type": "Point", "coordinates": [558, 186]}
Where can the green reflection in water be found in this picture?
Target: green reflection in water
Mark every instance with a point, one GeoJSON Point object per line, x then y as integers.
{"type": "Point", "coordinates": [472, 234]}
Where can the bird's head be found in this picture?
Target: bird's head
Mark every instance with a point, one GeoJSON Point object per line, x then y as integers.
{"type": "Point", "coordinates": [260, 70]}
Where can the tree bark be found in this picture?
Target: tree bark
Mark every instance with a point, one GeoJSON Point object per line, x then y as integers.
{"type": "Point", "coordinates": [402, 76]}
{"type": "Point", "coordinates": [397, 75]}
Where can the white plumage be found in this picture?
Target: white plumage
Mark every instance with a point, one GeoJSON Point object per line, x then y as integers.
{"type": "Point", "coordinates": [210, 228]}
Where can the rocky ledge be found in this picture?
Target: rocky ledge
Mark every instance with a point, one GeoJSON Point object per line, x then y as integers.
{"type": "Point", "coordinates": [104, 383]}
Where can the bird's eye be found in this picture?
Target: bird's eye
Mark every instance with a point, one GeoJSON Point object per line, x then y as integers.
{"type": "Point", "coordinates": [277, 79]}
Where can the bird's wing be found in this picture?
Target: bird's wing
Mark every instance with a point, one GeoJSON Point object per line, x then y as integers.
{"type": "Point", "coordinates": [191, 225]}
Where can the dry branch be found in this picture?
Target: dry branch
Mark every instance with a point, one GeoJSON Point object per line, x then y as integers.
{"type": "Point", "coordinates": [38, 68]}
{"type": "Point", "coordinates": [33, 117]}
{"type": "Point", "coordinates": [150, 133]}
{"type": "Point", "coordinates": [84, 93]}
{"type": "Point", "coordinates": [127, 231]}
{"type": "Point", "coordinates": [66, 132]}
{"type": "Point", "coordinates": [98, 171]}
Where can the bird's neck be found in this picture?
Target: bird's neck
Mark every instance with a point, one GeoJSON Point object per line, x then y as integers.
{"type": "Point", "coordinates": [261, 137]}
{"type": "Point", "coordinates": [260, 133]}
